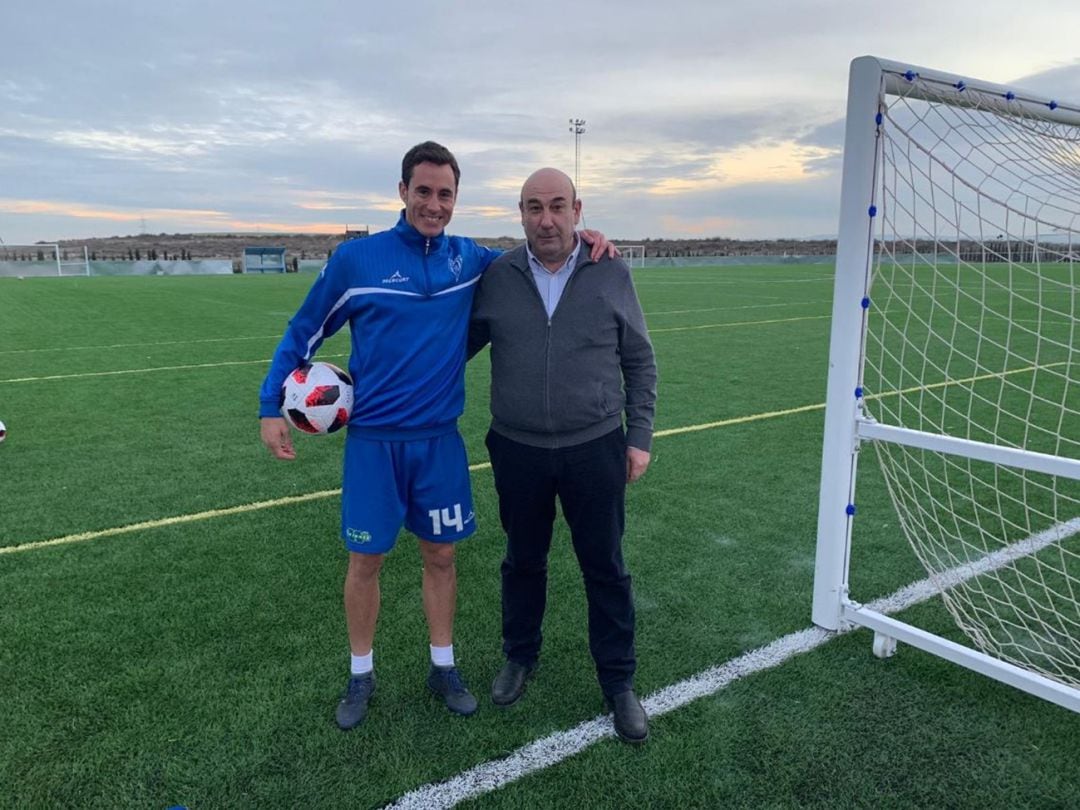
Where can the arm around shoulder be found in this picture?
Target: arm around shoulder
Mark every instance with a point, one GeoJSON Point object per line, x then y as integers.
{"type": "Point", "coordinates": [479, 328]}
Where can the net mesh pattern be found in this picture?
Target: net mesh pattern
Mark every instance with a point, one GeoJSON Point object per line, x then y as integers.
{"type": "Point", "coordinates": [972, 333]}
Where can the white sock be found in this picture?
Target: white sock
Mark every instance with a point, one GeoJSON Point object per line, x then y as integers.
{"type": "Point", "coordinates": [442, 656]}
{"type": "Point", "coordinates": [361, 664]}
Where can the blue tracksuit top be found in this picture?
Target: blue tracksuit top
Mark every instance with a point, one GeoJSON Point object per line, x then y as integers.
{"type": "Point", "coordinates": [407, 301]}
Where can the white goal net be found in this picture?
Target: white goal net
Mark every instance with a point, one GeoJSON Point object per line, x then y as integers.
{"type": "Point", "coordinates": [963, 282]}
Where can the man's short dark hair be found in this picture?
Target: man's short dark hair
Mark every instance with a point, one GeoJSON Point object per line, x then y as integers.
{"type": "Point", "coordinates": [428, 152]}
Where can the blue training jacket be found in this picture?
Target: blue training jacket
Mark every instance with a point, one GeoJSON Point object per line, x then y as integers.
{"type": "Point", "coordinates": [407, 300]}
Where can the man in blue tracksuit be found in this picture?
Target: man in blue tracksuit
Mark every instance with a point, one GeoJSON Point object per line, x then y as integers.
{"type": "Point", "coordinates": [406, 294]}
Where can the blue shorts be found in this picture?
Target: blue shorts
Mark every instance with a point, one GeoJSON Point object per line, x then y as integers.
{"type": "Point", "coordinates": [422, 484]}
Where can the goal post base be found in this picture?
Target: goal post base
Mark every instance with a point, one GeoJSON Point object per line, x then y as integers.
{"type": "Point", "coordinates": [895, 630]}
{"type": "Point", "coordinates": [884, 646]}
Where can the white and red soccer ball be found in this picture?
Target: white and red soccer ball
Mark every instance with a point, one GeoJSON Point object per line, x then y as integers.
{"type": "Point", "coordinates": [317, 398]}
{"type": "Point", "coordinates": [3, 432]}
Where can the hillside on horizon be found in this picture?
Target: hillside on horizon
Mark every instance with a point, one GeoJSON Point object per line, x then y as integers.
{"type": "Point", "coordinates": [318, 245]}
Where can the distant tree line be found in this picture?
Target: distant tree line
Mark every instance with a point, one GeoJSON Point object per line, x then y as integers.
{"type": "Point", "coordinates": [183, 247]}
{"type": "Point", "coordinates": [7, 255]}
{"type": "Point", "coordinates": [136, 255]}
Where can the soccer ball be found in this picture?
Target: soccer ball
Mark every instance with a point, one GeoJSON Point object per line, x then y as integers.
{"type": "Point", "coordinates": [3, 432]}
{"type": "Point", "coordinates": [317, 398]}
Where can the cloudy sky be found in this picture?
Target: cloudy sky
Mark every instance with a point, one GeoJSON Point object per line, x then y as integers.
{"type": "Point", "coordinates": [703, 118]}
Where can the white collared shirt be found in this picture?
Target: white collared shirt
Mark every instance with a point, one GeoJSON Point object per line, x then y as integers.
{"type": "Point", "coordinates": [551, 284]}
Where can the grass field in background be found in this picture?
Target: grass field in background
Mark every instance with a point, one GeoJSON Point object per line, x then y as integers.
{"type": "Point", "coordinates": [198, 663]}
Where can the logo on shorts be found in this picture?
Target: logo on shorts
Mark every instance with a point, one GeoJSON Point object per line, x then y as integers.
{"type": "Point", "coordinates": [357, 536]}
{"type": "Point", "coordinates": [396, 278]}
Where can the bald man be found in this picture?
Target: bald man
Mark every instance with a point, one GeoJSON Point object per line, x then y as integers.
{"type": "Point", "coordinates": [570, 358]}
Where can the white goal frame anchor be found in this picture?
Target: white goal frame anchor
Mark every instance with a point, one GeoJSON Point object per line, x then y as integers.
{"type": "Point", "coordinates": [846, 425]}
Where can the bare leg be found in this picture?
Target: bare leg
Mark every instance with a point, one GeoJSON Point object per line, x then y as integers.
{"type": "Point", "coordinates": [440, 591]}
{"type": "Point", "coordinates": [362, 600]}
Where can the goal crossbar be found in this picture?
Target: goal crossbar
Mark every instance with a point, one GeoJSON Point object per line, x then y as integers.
{"type": "Point", "coordinates": [962, 91]}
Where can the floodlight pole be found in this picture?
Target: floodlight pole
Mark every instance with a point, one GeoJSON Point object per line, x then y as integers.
{"type": "Point", "coordinates": [577, 126]}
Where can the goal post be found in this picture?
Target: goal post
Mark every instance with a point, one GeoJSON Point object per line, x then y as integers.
{"type": "Point", "coordinates": [43, 259]}
{"type": "Point", "coordinates": [633, 255]}
{"type": "Point", "coordinates": [72, 261]}
{"type": "Point", "coordinates": [955, 355]}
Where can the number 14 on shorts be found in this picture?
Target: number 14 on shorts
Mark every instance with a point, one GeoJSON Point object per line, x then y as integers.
{"type": "Point", "coordinates": [449, 518]}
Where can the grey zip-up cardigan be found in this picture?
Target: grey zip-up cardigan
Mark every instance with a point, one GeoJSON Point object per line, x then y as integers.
{"type": "Point", "coordinates": [567, 380]}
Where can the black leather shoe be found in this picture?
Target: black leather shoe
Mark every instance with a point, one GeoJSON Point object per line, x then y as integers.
{"type": "Point", "coordinates": [509, 684]}
{"type": "Point", "coordinates": [631, 724]}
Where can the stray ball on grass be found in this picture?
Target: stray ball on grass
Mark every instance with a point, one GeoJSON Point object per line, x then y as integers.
{"type": "Point", "coordinates": [3, 432]}
{"type": "Point", "coordinates": [317, 398]}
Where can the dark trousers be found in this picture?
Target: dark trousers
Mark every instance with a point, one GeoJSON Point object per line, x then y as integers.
{"type": "Point", "coordinates": [590, 482]}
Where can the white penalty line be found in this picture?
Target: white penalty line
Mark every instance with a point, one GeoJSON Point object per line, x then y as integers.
{"type": "Point", "coordinates": [555, 748]}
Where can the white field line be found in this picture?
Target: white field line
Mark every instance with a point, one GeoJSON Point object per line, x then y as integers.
{"type": "Point", "coordinates": [329, 493]}
{"type": "Point", "coordinates": [732, 309]}
{"type": "Point", "coordinates": [1047, 321]}
{"type": "Point", "coordinates": [169, 521]}
{"type": "Point", "coordinates": [142, 345]}
{"type": "Point", "coordinates": [648, 282]}
{"type": "Point", "coordinates": [278, 335]}
{"type": "Point", "coordinates": [264, 361]}
{"type": "Point", "coordinates": [972, 294]}
{"type": "Point", "coordinates": [159, 523]}
{"type": "Point", "coordinates": [1007, 555]}
{"type": "Point", "coordinates": [562, 745]}
{"type": "Point", "coordinates": [232, 510]}
{"type": "Point", "coordinates": [738, 420]}
{"type": "Point", "coordinates": [116, 372]}
{"type": "Point", "coordinates": [820, 406]}
{"type": "Point", "coordinates": [550, 750]}
{"type": "Point", "coordinates": [735, 323]}
{"type": "Point", "coordinates": [84, 374]}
